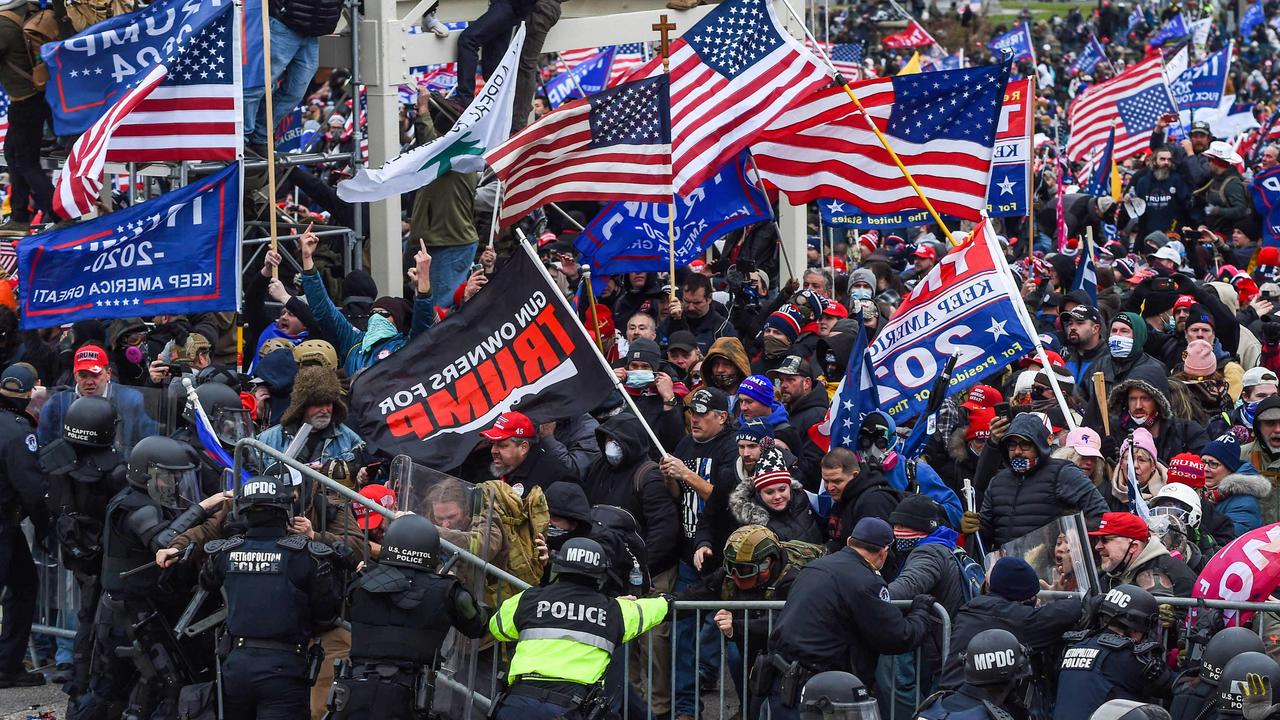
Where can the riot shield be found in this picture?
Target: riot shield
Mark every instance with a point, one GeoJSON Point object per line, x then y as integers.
{"type": "Point", "coordinates": [1059, 552]}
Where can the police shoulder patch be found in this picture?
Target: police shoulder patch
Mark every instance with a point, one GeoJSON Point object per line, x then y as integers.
{"type": "Point", "coordinates": [884, 593]}
{"type": "Point", "coordinates": [214, 547]}
{"type": "Point", "coordinates": [1113, 640]}
{"type": "Point", "coordinates": [320, 550]}
{"type": "Point", "coordinates": [293, 542]}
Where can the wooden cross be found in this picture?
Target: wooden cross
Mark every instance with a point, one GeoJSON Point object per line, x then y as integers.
{"type": "Point", "coordinates": [664, 27]}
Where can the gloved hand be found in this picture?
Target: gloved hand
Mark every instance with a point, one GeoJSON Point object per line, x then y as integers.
{"type": "Point", "coordinates": [970, 522]}
{"type": "Point", "coordinates": [1166, 616]}
{"type": "Point", "coordinates": [1212, 209]}
{"type": "Point", "coordinates": [922, 602]}
{"type": "Point", "coordinates": [1257, 697]}
{"type": "Point", "coordinates": [1110, 448]}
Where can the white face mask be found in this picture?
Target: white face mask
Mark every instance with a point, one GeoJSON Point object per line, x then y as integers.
{"type": "Point", "coordinates": [1121, 346]}
{"type": "Point", "coordinates": [612, 452]}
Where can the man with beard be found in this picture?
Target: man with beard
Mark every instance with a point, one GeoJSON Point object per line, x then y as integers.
{"type": "Point", "coordinates": [725, 367]}
{"type": "Point", "coordinates": [1193, 166]}
{"type": "Point", "coordinates": [1086, 352]}
{"type": "Point", "coordinates": [696, 314]}
{"type": "Point", "coordinates": [1166, 192]}
{"type": "Point", "coordinates": [317, 401]}
{"type": "Point", "coordinates": [1142, 400]}
{"type": "Point", "coordinates": [1129, 554]}
{"type": "Point", "coordinates": [519, 458]}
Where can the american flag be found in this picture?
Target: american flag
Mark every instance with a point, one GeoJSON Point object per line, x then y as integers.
{"type": "Point", "coordinates": [4, 116]}
{"type": "Point", "coordinates": [1131, 102]}
{"type": "Point", "coordinates": [348, 127]}
{"type": "Point", "coordinates": [189, 112]}
{"type": "Point", "coordinates": [941, 124]}
{"type": "Point", "coordinates": [732, 74]}
{"type": "Point", "coordinates": [847, 59]}
{"type": "Point", "coordinates": [614, 145]}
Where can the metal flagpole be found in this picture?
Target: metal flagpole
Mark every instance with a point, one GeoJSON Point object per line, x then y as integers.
{"type": "Point", "coordinates": [271, 129]}
{"type": "Point", "coordinates": [884, 142]}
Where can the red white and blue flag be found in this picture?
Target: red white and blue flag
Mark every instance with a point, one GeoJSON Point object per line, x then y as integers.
{"type": "Point", "coordinates": [1131, 102]}
{"type": "Point", "coordinates": [942, 125]}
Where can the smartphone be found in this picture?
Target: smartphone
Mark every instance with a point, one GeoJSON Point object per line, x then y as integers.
{"type": "Point", "coordinates": [1002, 411]}
{"type": "Point", "coordinates": [1162, 284]}
{"type": "Point", "coordinates": [475, 268]}
{"type": "Point", "coordinates": [1169, 118]}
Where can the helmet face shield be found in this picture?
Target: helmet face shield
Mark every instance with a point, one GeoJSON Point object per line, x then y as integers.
{"type": "Point", "coordinates": [174, 488]}
{"type": "Point", "coordinates": [232, 425]}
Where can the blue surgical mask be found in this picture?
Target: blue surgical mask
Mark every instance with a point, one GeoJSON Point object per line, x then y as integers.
{"type": "Point", "coordinates": [639, 378]}
{"type": "Point", "coordinates": [860, 294]}
{"type": "Point", "coordinates": [1170, 324]}
{"type": "Point", "coordinates": [379, 328]}
{"type": "Point", "coordinates": [1121, 346]}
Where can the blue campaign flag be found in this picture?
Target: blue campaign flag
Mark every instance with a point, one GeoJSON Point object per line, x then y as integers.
{"type": "Point", "coordinates": [1136, 18]}
{"type": "Point", "coordinates": [632, 236]}
{"type": "Point", "coordinates": [91, 70]}
{"type": "Point", "coordinates": [1173, 29]}
{"type": "Point", "coordinates": [1087, 273]}
{"type": "Point", "coordinates": [1252, 18]}
{"type": "Point", "coordinates": [173, 255]}
{"type": "Point", "coordinates": [1100, 178]}
{"type": "Point", "coordinates": [589, 76]}
{"type": "Point", "coordinates": [1265, 189]}
{"type": "Point", "coordinates": [251, 55]}
{"type": "Point", "coordinates": [289, 133]}
{"type": "Point", "coordinates": [1089, 57]}
{"type": "Point", "coordinates": [854, 397]}
{"type": "Point", "coordinates": [1017, 41]}
{"type": "Point", "coordinates": [1202, 84]}
{"type": "Point", "coordinates": [845, 214]}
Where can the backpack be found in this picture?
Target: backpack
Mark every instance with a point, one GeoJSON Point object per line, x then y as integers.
{"type": "Point", "coordinates": [39, 27]}
{"type": "Point", "coordinates": [618, 533]}
{"type": "Point", "coordinates": [801, 553]}
{"type": "Point", "coordinates": [522, 520]}
{"type": "Point", "coordinates": [972, 576]}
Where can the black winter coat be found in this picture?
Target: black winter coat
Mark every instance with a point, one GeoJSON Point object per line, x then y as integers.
{"type": "Point", "coordinates": [311, 18]}
{"type": "Point", "coordinates": [868, 495]}
{"type": "Point", "coordinates": [1039, 628]}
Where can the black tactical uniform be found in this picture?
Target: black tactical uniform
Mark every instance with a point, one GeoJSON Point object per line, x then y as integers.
{"type": "Point", "coordinates": [279, 590]}
{"type": "Point", "coordinates": [996, 669]}
{"type": "Point", "coordinates": [1101, 664]}
{"type": "Point", "coordinates": [85, 472]}
{"type": "Point", "coordinates": [231, 423]}
{"type": "Point", "coordinates": [1195, 691]}
{"type": "Point", "coordinates": [401, 610]}
{"type": "Point", "coordinates": [139, 600]}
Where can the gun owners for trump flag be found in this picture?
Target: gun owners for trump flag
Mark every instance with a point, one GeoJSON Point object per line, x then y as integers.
{"type": "Point", "coordinates": [516, 345]}
{"type": "Point", "coordinates": [967, 304]}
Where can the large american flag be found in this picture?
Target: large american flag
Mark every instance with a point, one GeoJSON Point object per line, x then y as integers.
{"type": "Point", "coordinates": [614, 145]}
{"type": "Point", "coordinates": [1131, 102]}
{"type": "Point", "coordinates": [731, 74]}
{"type": "Point", "coordinates": [941, 124]}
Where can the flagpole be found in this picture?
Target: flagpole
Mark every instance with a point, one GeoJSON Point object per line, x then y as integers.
{"type": "Point", "coordinates": [1031, 155]}
{"type": "Point", "coordinates": [604, 362]}
{"type": "Point", "coordinates": [884, 142]}
{"type": "Point", "coordinates": [585, 271]}
{"type": "Point", "coordinates": [271, 131]}
{"type": "Point", "coordinates": [493, 219]}
{"type": "Point", "coordinates": [663, 26]}
{"type": "Point", "coordinates": [572, 78]}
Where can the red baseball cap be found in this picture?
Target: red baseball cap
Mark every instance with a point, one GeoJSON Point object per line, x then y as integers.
{"type": "Point", "coordinates": [697, 264]}
{"type": "Point", "coordinates": [982, 396]}
{"type": "Point", "coordinates": [510, 425]}
{"type": "Point", "coordinates": [835, 309]}
{"type": "Point", "coordinates": [1184, 301]}
{"type": "Point", "coordinates": [368, 519]}
{"type": "Point", "coordinates": [90, 358]}
{"type": "Point", "coordinates": [926, 251]}
{"type": "Point", "coordinates": [1122, 524]}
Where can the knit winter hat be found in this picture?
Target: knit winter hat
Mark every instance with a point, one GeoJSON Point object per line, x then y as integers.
{"type": "Point", "coordinates": [1187, 468]}
{"type": "Point", "coordinates": [918, 512]}
{"type": "Point", "coordinates": [863, 275]}
{"type": "Point", "coordinates": [754, 430]}
{"type": "Point", "coordinates": [1199, 315]}
{"type": "Point", "coordinates": [771, 470]}
{"type": "Point", "coordinates": [1199, 361]}
{"type": "Point", "coordinates": [1013, 579]}
{"type": "Point", "coordinates": [787, 320]}
{"type": "Point", "coordinates": [758, 388]}
{"type": "Point", "coordinates": [1225, 450]}
{"type": "Point", "coordinates": [1136, 324]}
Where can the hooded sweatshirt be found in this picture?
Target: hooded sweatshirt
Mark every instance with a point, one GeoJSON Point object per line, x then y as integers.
{"type": "Point", "coordinates": [1172, 434]}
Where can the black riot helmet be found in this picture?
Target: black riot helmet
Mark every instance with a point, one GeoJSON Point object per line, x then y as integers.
{"type": "Point", "coordinates": [1235, 679]}
{"type": "Point", "coordinates": [1130, 607]}
{"type": "Point", "coordinates": [263, 499]}
{"type": "Point", "coordinates": [221, 405]}
{"type": "Point", "coordinates": [90, 421]}
{"type": "Point", "coordinates": [1129, 710]}
{"type": "Point", "coordinates": [166, 469]}
{"type": "Point", "coordinates": [581, 557]}
{"type": "Point", "coordinates": [835, 695]}
{"type": "Point", "coordinates": [411, 541]}
{"type": "Point", "coordinates": [995, 657]}
{"type": "Point", "coordinates": [1224, 645]}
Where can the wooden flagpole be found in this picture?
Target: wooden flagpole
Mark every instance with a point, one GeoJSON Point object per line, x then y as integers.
{"type": "Point", "coordinates": [664, 27]}
{"type": "Point", "coordinates": [271, 130]}
{"type": "Point", "coordinates": [884, 142]}
{"type": "Point", "coordinates": [1031, 163]}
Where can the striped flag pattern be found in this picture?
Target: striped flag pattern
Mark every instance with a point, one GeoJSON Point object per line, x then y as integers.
{"type": "Point", "coordinates": [626, 57]}
{"type": "Point", "coordinates": [4, 116]}
{"type": "Point", "coordinates": [612, 146]}
{"type": "Point", "coordinates": [1131, 103]}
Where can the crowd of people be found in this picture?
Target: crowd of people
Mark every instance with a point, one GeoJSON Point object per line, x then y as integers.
{"type": "Point", "coordinates": [1111, 469]}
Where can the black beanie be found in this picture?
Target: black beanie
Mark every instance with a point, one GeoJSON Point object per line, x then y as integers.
{"type": "Point", "coordinates": [918, 512]}
{"type": "Point", "coordinates": [1158, 302]}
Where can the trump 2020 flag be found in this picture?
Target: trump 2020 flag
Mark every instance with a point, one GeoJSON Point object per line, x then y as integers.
{"type": "Point", "coordinates": [968, 304]}
{"type": "Point", "coordinates": [1089, 56]}
{"type": "Point", "coordinates": [516, 345]}
{"type": "Point", "coordinates": [1017, 41]}
{"type": "Point", "coordinates": [1009, 190]}
{"type": "Point", "coordinates": [485, 124]}
{"type": "Point", "coordinates": [173, 255]}
{"type": "Point", "coordinates": [1252, 18]}
{"type": "Point", "coordinates": [586, 78]}
{"type": "Point", "coordinates": [1174, 29]}
{"type": "Point", "coordinates": [1265, 189]}
{"type": "Point", "coordinates": [632, 237]}
{"type": "Point", "coordinates": [1202, 85]}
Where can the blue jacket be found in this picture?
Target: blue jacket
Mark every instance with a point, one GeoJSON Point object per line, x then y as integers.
{"type": "Point", "coordinates": [135, 423]}
{"type": "Point", "coordinates": [347, 337]}
{"type": "Point", "coordinates": [1240, 503]}
{"type": "Point", "coordinates": [340, 444]}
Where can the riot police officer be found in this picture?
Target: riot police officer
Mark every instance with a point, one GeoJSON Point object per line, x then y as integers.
{"type": "Point", "coordinates": [1234, 683]}
{"type": "Point", "coordinates": [1113, 659]}
{"type": "Point", "coordinates": [85, 471]}
{"type": "Point", "coordinates": [996, 669]}
{"type": "Point", "coordinates": [567, 631]}
{"type": "Point", "coordinates": [836, 695]}
{"type": "Point", "coordinates": [401, 610]}
{"type": "Point", "coordinates": [1193, 692]}
{"type": "Point", "coordinates": [140, 601]}
{"type": "Point", "coordinates": [231, 423]}
{"type": "Point", "coordinates": [279, 590]}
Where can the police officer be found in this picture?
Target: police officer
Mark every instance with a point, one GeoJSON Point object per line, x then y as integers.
{"type": "Point", "coordinates": [401, 609]}
{"type": "Point", "coordinates": [231, 423]}
{"type": "Point", "coordinates": [996, 670]}
{"type": "Point", "coordinates": [22, 493]}
{"type": "Point", "coordinates": [279, 590]}
{"type": "Point", "coordinates": [85, 471]}
{"type": "Point", "coordinates": [1195, 691]}
{"type": "Point", "coordinates": [835, 695]}
{"type": "Point", "coordinates": [567, 631]}
{"type": "Point", "coordinates": [140, 601]}
{"type": "Point", "coordinates": [1113, 659]}
{"type": "Point", "coordinates": [843, 590]}
{"type": "Point", "coordinates": [1235, 683]}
